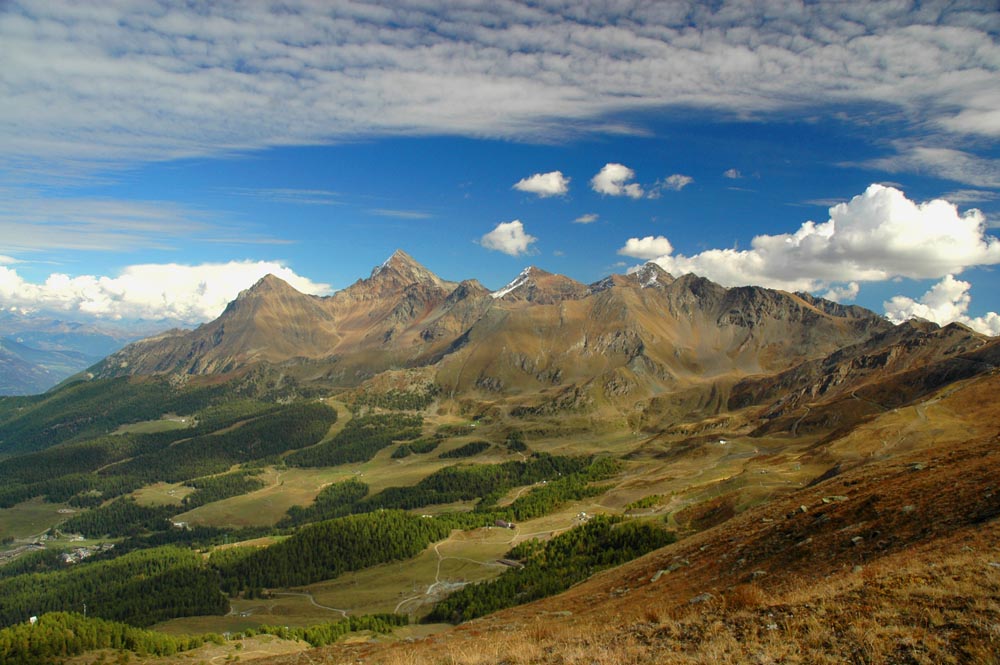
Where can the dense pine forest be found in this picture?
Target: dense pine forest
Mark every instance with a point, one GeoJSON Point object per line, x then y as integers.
{"type": "Point", "coordinates": [216, 447]}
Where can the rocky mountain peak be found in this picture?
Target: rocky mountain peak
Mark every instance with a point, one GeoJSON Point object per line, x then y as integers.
{"type": "Point", "coordinates": [651, 274]}
{"type": "Point", "coordinates": [396, 274]}
{"type": "Point", "coordinates": [268, 293]}
{"type": "Point", "coordinates": [268, 284]}
{"type": "Point", "coordinates": [540, 287]}
{"type": "Point", "coordinates": [402, 265]}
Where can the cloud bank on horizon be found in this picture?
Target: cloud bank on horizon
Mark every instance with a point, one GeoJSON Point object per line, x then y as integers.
{"type": "Point", "coordinates": [876, 236]}
{"type": "Point", "coordinates": [184, 293]}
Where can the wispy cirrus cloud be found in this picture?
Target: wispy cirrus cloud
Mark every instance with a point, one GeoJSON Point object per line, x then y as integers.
{"type": "Point", "coordinates": [400, 214]}
{"type": "Point", "coordinates": [947, 163]}
{"type": "Point", "coordinates": [289, 195]}
{"type": "Point", "coordinates": [32, 222]}
{"type": "Point", "coordinates": [129, 82]}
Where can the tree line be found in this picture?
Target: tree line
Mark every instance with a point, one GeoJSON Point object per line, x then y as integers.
{"type": "Point", "coordinates": [554, 566]}
{"type": "Point", "coordinates": [360, 440]}
{"type": "Point", "coordinates": [140, 588]}
{"type": "Point", "coordinates": [56, 636]}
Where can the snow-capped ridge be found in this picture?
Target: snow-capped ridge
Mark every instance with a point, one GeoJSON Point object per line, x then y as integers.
{"type": "Point", "coordinates": [516, 283]}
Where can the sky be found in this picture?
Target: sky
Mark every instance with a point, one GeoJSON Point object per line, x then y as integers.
{"type": "Point", "coordinates": [158, 157]}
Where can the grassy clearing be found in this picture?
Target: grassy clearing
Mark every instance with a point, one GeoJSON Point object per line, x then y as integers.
{"type": "Point", "coordinates": [162, 494]}
{"type": "Point", "coordinates": [299, 486]}
{"type": "Point", "coordinates": [167, 423]}
{"type": "Point", "coordinates": [32, 518]}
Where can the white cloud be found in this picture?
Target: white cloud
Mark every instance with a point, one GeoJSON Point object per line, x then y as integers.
{"type": "Point", "coordinates": [845, 293]}
{"type": "Point", "coordinates": [946, 163]}
{"type": "Point", "coordinates": [509, 238]}
{"type": "Point", "coordinates": [733, 174]}
{"type": "Point", "coordinates": [675, 182]}
{"type": "Point", "coordinates": [290, 195]}
{"type": "Point", "coordinates": [875, 236]}
{"type": "Point", "coordinates": [647, 248]}
{"type": "Point", "coordinates": [589, 218]}
{"type": "Point", "coordinates": [613, 180]}
{"type": "Point", "coordinates": [129, 82]}
{"type": "Point", "coordinates": [7, 260]}
{"type": "Point", "coordinates": [553, 183]}
{"type": "Point", "coordinates": [400, 214]}
{"type": "Point", "coordinates": [187, 293]}
{"type": "Point", "coordinates": [966, 196]}
{"type": "Point", "coordinates": [946, 302]}
{"type": "Point", "coordinates": [30, 222]}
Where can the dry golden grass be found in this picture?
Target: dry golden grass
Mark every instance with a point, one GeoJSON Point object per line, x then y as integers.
{"type": "Point", "coordinates": [900, 564]}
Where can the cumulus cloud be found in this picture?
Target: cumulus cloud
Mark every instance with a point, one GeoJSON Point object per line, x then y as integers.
{"type": "Point", "coordinates": [589, 218]}
{"type": "Point", "coordinates": [135, 82]}
{"type": "Point", "coordinates": [186, 293]}
{"type": "Point", "coordinates": [613, 180]}
{"type": "Point", "coordinates": [509, 238]}
{"type": "Point", "coordinates": [877, 235]}
{"type": "Point", "coordinates": [647, 248]}
{"type": "Point", "coordinates": [733, 174]}
{"type": "Point", "coordinates": [553, 183]}
{"type": "Point", "coordinates": [946, 302]}
{"type": "Point", "coordinates": [845, 293]}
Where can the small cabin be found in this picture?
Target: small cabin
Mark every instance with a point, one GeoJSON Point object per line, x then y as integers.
{"type": "Point", "coordinates": [504, 524]}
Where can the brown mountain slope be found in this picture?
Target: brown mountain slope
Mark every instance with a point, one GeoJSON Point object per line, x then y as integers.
{"type": "Point", "coordinates": [370, 324]}
{"type": "Point", "coordinates": [895, 561]}
{"type": "Point", "coordinates": [269, 322]}
{"type": "Point", "coordinates": [625, 343]}
{"type": "Point", "coordinates": [645, 345]}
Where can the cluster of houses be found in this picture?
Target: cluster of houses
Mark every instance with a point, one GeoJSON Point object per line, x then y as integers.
{"type": "Point", "coordinates": [78, 554]}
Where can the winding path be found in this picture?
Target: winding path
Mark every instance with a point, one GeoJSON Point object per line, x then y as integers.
{"type": "Point", "coordinates": [311, 600]}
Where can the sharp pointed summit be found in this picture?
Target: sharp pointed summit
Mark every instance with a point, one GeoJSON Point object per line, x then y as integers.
{"type": "Point", "coordinates": [394, 275]}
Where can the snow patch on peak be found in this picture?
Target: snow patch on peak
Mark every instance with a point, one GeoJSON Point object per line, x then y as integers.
{"type": "Point", "coordinates": [379, 268]}
{"type": "Point", "coordinates": [648, 274]}
{"type": "Point", "coordinates": [518, 282]}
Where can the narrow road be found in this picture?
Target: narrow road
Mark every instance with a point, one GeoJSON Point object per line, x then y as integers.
{"type": "Point", "coordinates": [437, 573]}
{"type": "Point", "coordinates": [311, 600]}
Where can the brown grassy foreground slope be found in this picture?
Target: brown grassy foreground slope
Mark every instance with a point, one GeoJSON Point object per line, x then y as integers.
{"type": "Point", "coordinates": [896, 560]}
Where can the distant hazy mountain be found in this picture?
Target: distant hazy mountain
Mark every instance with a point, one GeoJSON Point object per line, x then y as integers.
{"type": "Point", "coordinates": [39, 351]}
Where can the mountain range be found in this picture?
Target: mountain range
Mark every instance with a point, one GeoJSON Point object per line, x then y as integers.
{"type": "Point", "coordinates": [726, 475]}
{"type": "Point", "coordinates": [646, 345]}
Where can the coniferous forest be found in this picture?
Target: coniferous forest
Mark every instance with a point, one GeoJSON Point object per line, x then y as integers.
{"type": "Point", "coordinates": [153, 570]}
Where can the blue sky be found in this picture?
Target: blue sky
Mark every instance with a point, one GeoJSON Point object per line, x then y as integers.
{"type": "Point", "coordinates": [156, 158]}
